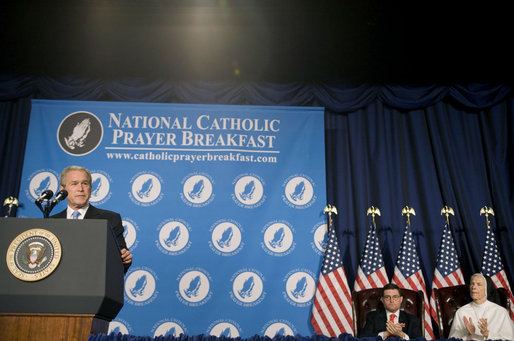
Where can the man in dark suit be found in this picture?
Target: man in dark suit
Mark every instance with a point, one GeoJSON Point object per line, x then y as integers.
{"type": "Point", "coordinates": [392, 321]}
{"type": "Point", "coordinates": [77, 181]}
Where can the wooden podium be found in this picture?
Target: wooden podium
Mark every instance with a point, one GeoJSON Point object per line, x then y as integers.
{"type": "Point", "coordinates": [79, 296]}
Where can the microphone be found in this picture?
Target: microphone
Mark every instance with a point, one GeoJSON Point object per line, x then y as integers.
{"type": "Point", "coordinates": [44, 196]}
{"type": "Point", "coordinates": [60, 196]}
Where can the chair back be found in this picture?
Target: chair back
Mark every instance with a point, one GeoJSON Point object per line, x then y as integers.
{"type": "Point", "coordinates": [368, 300]}
{"type": "Point", "coordinates": [504, 298]}
{"type": "Point", "coordinates": [449, 299]}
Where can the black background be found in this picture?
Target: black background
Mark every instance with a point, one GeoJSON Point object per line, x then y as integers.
{"type": "Point", "coordinates": [275, 40]}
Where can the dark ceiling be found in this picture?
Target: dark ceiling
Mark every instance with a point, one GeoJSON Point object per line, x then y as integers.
{"type": "Point", "coordinates": [275, 40]}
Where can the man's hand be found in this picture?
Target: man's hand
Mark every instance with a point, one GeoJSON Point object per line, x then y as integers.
{"type": "Point", "coordinates": [126, 256]}
{"type": "Point", "coordinates": [394, 329]}
{"type": "Point", "coordinates": [469, 326]}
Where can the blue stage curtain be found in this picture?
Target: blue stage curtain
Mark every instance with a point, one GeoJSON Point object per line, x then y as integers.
{"type": "Point", "coordinates": [444, 154]}
{"type": "Point", "coordinates": [386, 146]}
{"type": "Point", "coordinates": [14, 121]}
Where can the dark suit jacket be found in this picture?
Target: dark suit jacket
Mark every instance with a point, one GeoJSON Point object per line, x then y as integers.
{"type": "Point", "coordinates": [113, 218]}
{"type": "Point", "coordinates": [376, 323]}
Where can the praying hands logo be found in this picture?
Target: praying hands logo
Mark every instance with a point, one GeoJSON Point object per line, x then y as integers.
{"type": "Point", "coordinates": [226, 237]}
{"type": "Point", "coordinates": [146, 189]}
{"type": "Point", "coordinates": [43, 185]}
{"type": "Point", "coordinates": [278, 238]}
{"type": "Point", "coordinates": [196, 193]}
{"type": "Point", "coordinates": [173, 237]}
{"type": "Point", "coordinates": [247, 193]}
{"type": "Point", "coordinates": [79, 134]}
{"type": "Point", "coordinates": [139, 287]}
{"type": "Point", "coordinates": [301, 287]}
{"type": "Point", "coordinates": [194, 287]}
{"type": "Point", "coordinates": [298, 191]}
{"type": "Point", "coordinates": [170, 332]}
{"type": "Point", "coordinates": [246, 290]}
{"type": "Point", "coordinates": [169, 329]}
{"type": "Point", "coordinates": [281, 332]}
{"type": "Point", "coordinates": [226, 332]}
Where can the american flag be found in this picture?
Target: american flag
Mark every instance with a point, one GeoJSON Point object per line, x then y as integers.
{"type": "Point", "coordinates": [408, 275]}
{"type": "Point", "coordinates": [448, 272]}
{"type": "Point", "coordinates": [332, 308]}
{"type": "Point", "coordinates": [371, 272]}
{"type": "Point", "coordinates": [492, 266]}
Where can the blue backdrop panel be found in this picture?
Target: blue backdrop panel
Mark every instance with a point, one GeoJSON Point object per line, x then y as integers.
{"type": "Point", "coordinates": [222, 207]}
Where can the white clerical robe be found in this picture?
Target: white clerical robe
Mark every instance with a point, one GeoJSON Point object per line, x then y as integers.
{"type": "Point", "coordinates": [499, 324]}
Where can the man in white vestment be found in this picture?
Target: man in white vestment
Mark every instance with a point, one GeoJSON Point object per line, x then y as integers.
{"type": "Point", "coordinates": [481, 319]}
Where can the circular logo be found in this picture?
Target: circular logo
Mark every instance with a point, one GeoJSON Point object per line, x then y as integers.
{"type": "Point", "coordinates": [140, 287]}
{"type": "Point", "coordinates": [248, 191]}
{"type": "Point", "coordinates": [80, 133]}
{"type": "Point", "coordinates": [194, 287]}
{"type": "Point", "coordinates": [197, 190]}
{"type": "Point", "coordinates": [300, 288]}
{"type": "Point", "coordinates": [279, 328]}
{"type": "Point", "coordinates": [169, 328]}
{"type": "Point", "coordinates": [278, 238]}
{"type": "Point", "coordinates": [173, 237]}
{"type": "Point", "coordinates": [226, 329]}
{"type": "Point", "coordinates": [226, 238]}
{"type": "Point", "coordinates": [146, 189]}
{"type": "Point", "coordinates": [118, 326]}
{"type": "Point", "coordinates": [33, 255]}
{"type": "Point", "coordinates": [248, 288]}
{"type": "Point", "coordinates": [299, 192]}
{"type": "Point", "coordinates": [40, 182]}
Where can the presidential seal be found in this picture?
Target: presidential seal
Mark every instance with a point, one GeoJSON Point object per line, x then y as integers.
{"type": "Point", "coordinates": [33, 255]}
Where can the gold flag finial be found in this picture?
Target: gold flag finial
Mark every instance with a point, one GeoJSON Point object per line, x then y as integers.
{"type": "Point", "coordinates": [10, 201]}
{"type": "Point", "coordinates": [373, 211]}
{"type": "Point", "coordinates": [487, 210]}
{"type": "Point", "coordinates": [408, 211]}
{"type": "Point", "coordinates": [330, 209]}
{"type": "Point", "coordinates": [447, 210]}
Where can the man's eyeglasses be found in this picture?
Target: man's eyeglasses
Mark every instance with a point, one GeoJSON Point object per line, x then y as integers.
{"type": "Point", "coordinates": [391, 298]}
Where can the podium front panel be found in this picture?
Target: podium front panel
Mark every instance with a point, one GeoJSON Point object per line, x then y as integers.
{"type": "Point", "coordinates": [87, 280]}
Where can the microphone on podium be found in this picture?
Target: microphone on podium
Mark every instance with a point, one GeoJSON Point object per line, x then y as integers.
{"type": "Point", "coordinates": [45, 195]}
{"type": "Point", "coordinates": [60, 196]}
{"type": "Point", "coordinates": [50, 204]}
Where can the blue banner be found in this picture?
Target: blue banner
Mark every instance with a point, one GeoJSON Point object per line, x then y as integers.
{"type": "Point", "coordinates": [222, 207]}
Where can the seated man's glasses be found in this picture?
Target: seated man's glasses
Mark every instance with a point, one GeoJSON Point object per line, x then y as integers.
{"type": "Point", "coordinates": [392, 298]}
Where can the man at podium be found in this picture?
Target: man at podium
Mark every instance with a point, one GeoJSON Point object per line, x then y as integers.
{"type": "Point", "coordinates": [77, 182]}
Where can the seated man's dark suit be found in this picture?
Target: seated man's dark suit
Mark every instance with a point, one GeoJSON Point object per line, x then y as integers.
{"type": "Point", "coordinates": [113, 218]}
{"type": "Point", "coordinates": [376, 323]}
